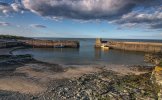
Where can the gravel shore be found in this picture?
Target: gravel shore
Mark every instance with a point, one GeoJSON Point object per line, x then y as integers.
{"type": "Point", "coordinates": [24, 78]}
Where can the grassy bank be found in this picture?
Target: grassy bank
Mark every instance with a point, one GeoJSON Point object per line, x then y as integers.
{"type": "Point", "coordinates": [11, 37]}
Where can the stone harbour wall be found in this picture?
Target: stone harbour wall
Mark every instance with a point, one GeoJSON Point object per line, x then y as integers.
{"type": "Point", "coordinates": [51, 43]}
{"type": "Point", "coordinates": [136, 46]}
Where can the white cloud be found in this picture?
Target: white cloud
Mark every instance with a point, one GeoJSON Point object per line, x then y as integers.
{"type": "Point", "coordinates": [9, 8]}
{"type": "Point", "coordinates": [4, 24]}
{"type": "Point", "coordinates": [37, 26]}
{"type": "Point", "coordinates": [152, 20]}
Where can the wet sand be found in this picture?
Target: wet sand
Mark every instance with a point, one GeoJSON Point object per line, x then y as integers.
{"type": "Point", "coordinates": [24, 77]}
{"type": "Point", "coordinates": [5, 51]}
{"type": "Point", "coordinates": [36, 76]}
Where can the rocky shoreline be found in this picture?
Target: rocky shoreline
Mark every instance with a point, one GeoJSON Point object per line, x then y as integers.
{"type": "Point", "coordinates": [50, 81]}
{"type": "Point", "coordinates": [24, 78]}
{"type": "Point", "coordinates": [103, 86]}
{"type": "Point", "coordinates": [154, 58]}
{"type": "Point", "coordinates": [100, 86]}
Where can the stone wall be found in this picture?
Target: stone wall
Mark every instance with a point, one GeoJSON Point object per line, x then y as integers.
{"type": "Point", "coordinates": [136, 46]}
{"type": "Point", "coordinates": [51, 44]}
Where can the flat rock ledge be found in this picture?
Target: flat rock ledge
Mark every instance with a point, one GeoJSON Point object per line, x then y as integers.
{"type": "Point", "coordinates": [157, 80]}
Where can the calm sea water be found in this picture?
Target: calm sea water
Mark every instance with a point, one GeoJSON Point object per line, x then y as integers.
{"type": "Point", "coordinates": [86, 54]}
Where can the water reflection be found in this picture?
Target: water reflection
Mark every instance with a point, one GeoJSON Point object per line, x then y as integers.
{"type": "Point", "coordinates": [86, 54]}
{"type": "Point", "coordinates": [97, 53]}
{"type": "Point", "coordinates": [57, 50]}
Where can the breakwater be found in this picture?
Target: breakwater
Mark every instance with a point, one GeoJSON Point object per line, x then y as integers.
{"type": "Point", "coordinates": [50, 43]}
{"type": "Point", "coordinates": [131, 46]}
{"type": "Point", "coordinates": [136, 46]}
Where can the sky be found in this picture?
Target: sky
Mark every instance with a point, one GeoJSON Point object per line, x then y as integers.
{"type": "Point", "coordinates": [125, 19]}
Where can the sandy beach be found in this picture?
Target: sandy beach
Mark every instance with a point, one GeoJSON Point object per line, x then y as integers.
{"type": "Point", "coordinates": [24, 77]}
{"type": "Point", "coordinates": [39, 80]}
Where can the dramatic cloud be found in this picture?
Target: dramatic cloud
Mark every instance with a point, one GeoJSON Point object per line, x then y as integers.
{"type": "Point", "coordinates": [156, 26]}
{"type": "Point", "coordinates": [17, 7]}
{"type": "Point", "coordinates": [4, 8]}
{"type": "Point", "coordinates": [4, 24]}
{"type": "Point", "coordinates": [150, 19]}
{"type": "Point", "coordinates": [118, 11]}
{"type": "Point", "coordinates": [79, 9]}
{"type": "Point", "coordinates": [10, 8]}
{"type": "Point", "coordinates": [126, 13]}
{"type": "Point", "coordinates": [37, 26]}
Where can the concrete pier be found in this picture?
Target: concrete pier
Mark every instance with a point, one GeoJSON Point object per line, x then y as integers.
{"type": "Point", "coordinates": [51, 44]}
{"type": "Point", "coordinates": [131, 46]}
{"type": "Point", "coordinates": [136, 46]}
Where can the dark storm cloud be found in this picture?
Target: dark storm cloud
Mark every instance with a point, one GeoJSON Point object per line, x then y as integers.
{"type": "Point", "coordinates": [116, 11]}
{"type": "Point", "coordinates": [156, 26]}
{"type": "Point", "coordinates": [80, 9]}
{"type": "Point", "coordinates": [127, 13]}
{"type": "Point", "coordinates": [86, 9]}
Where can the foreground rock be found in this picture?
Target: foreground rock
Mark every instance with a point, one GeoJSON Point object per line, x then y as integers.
{"type": "Point", "coordinates": [106, 85]}
{"type": "Point", "coordinates": [156, 76]}
{"type": "Point", "coordinates": [102, 86]}
{"type": "Point", "coordinates": [154, 58]}
{"type": "Point", "coordinates": [157, 80]}
{"type": "Point", "coordinates": [31, 79]}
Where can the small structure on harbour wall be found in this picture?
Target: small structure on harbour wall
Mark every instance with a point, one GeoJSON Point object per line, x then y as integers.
{"type": "Point", "coordinates": [100, 43]}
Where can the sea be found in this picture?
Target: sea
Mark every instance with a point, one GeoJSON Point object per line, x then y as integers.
{"type": "Point", "coordinates": [87, 54]}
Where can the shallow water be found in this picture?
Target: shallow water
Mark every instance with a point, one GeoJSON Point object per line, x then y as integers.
{"type": "Point", "coordinates": [86, 54]}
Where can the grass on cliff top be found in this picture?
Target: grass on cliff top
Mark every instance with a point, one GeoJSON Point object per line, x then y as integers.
{"type": "Point", "coordinates": [160, 64]}
{"type": "Point", "coordinates": [11, 37]}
